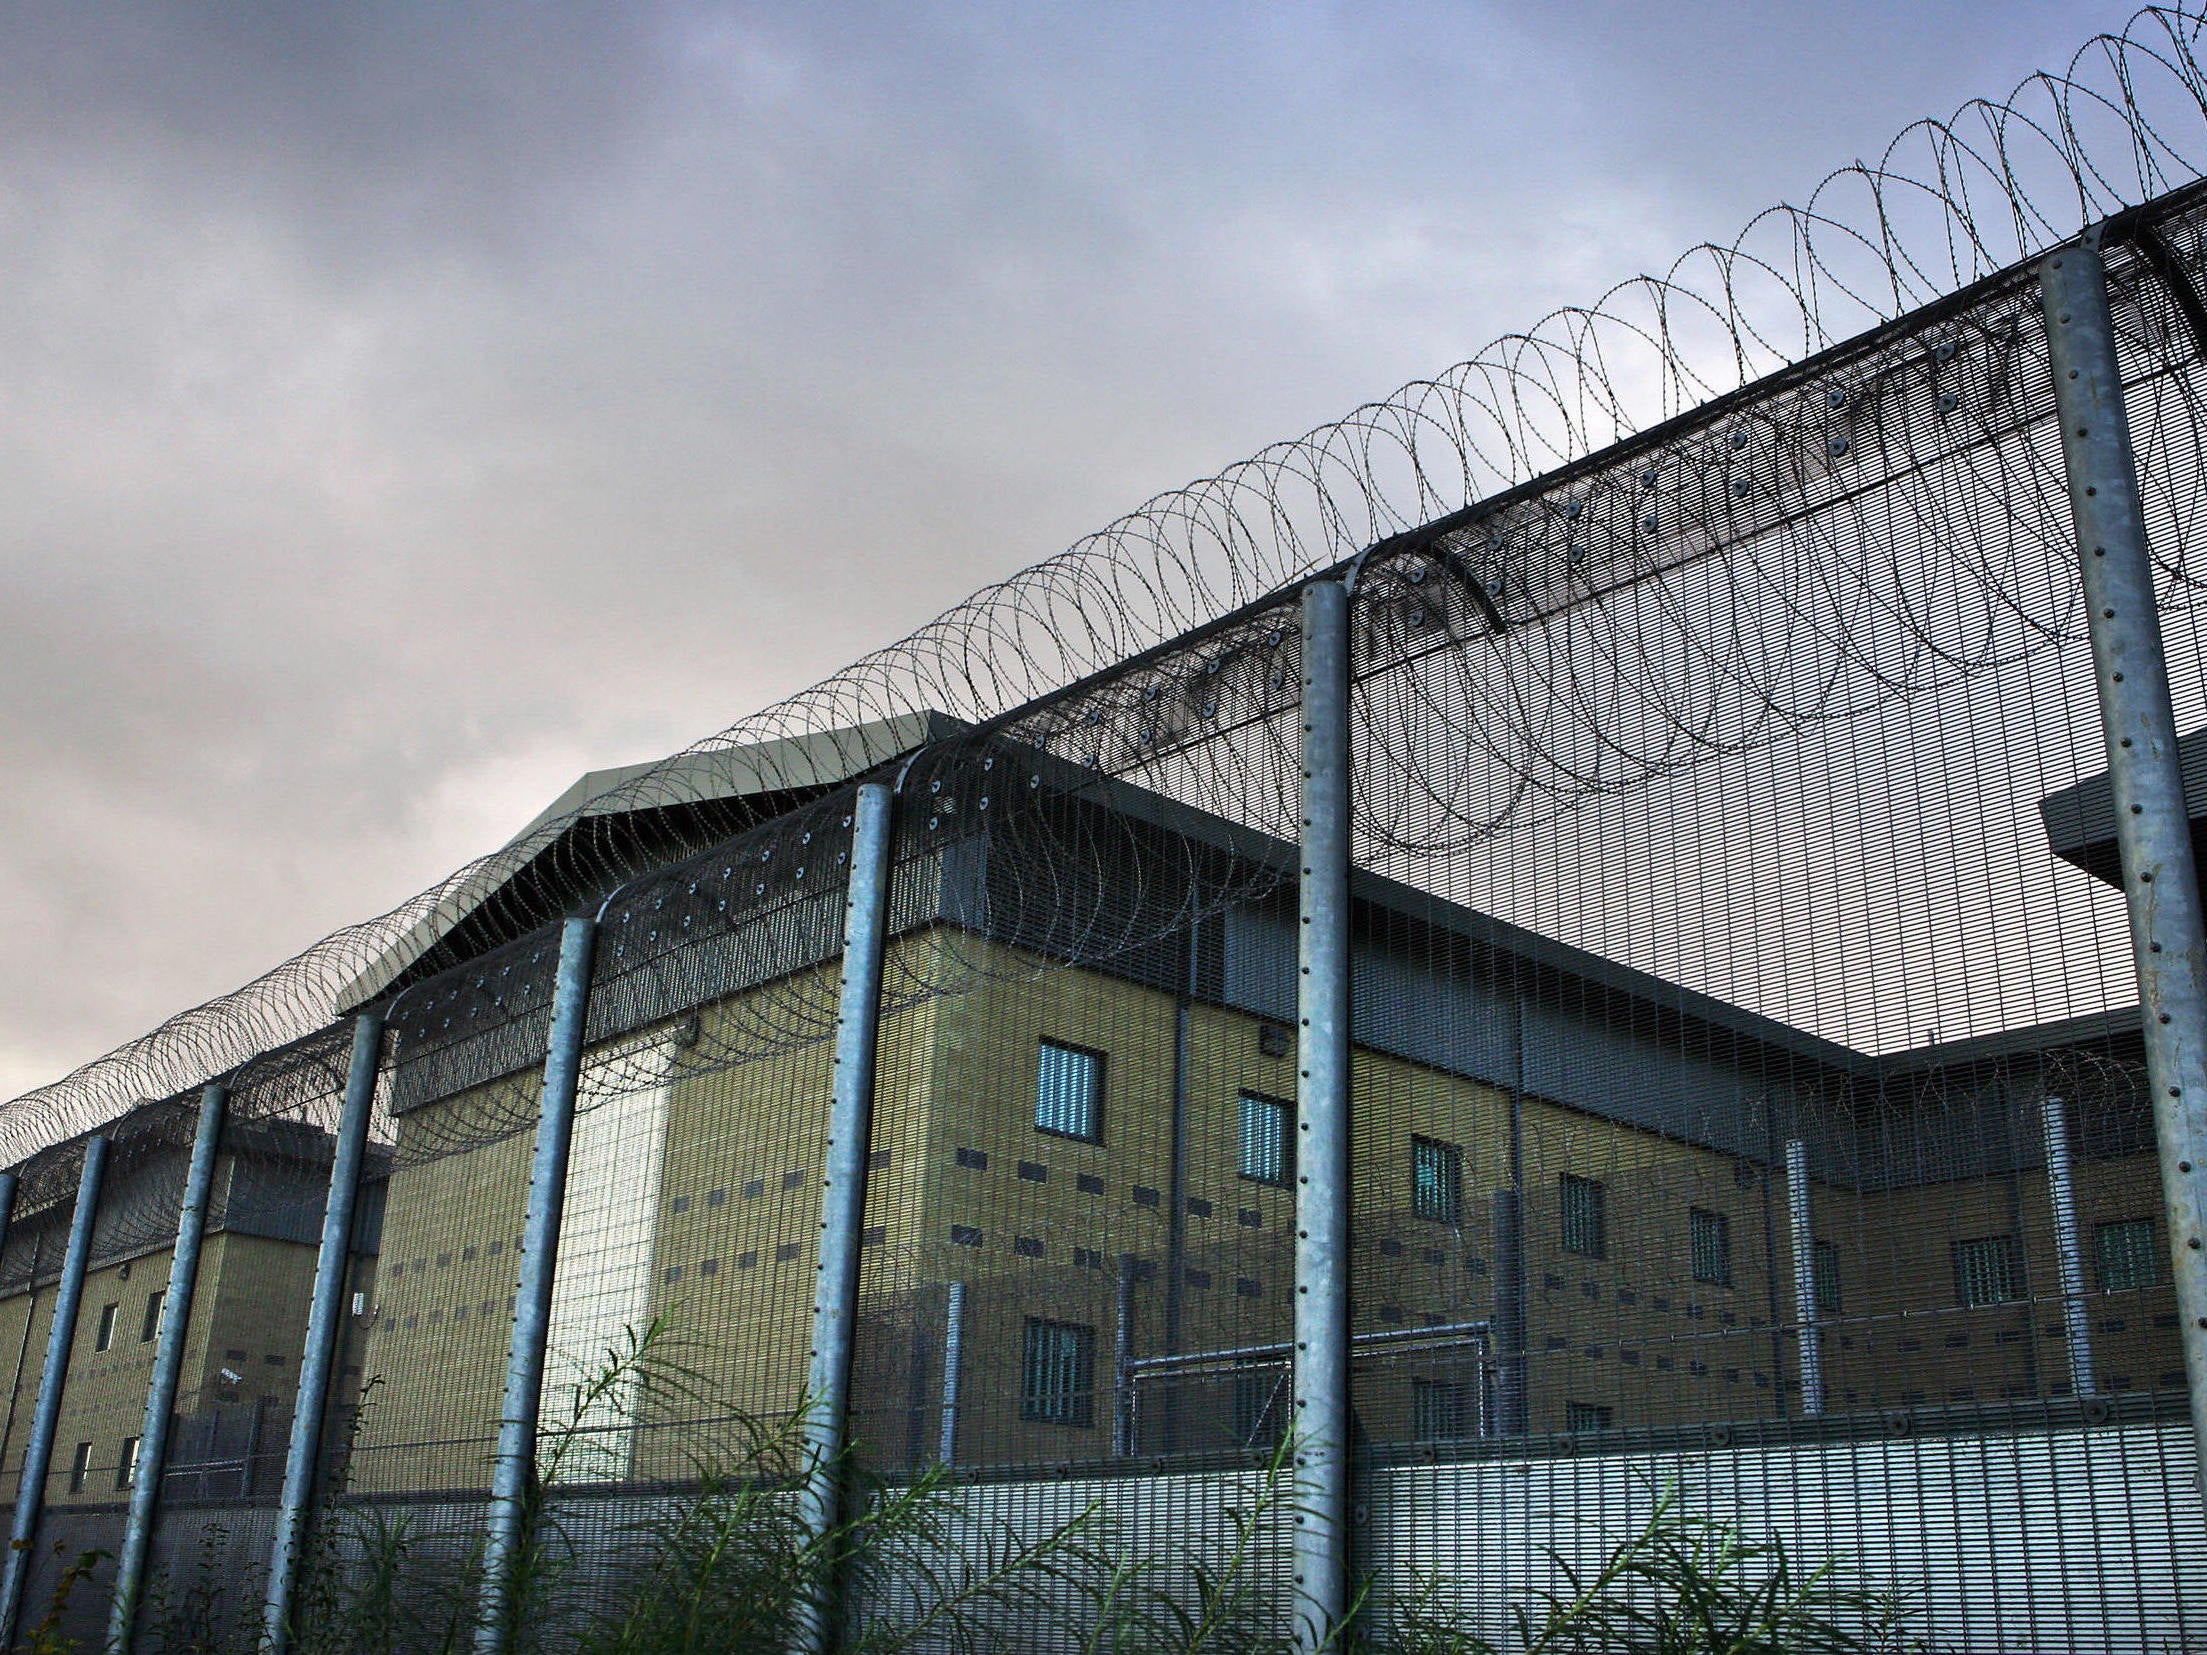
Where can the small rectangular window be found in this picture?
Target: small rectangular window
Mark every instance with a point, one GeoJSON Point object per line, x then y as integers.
{"type": "Point", "coordinates": [126, 1467]}
{"type": "Point", "coordinates": [105, 1338]}
{"type": "Point", "coordinates": [1711, 1234]}
{"type": "Point", "coordinates": [1058, 1378]}
{"type": "Point", "coordinates": [150, 1328]}
{"type": "Point", "coordinates": [1436, 1180]}
{"type": "Point", "coordinates": [1824, 1267]}
{"type": "Point", "coordinates": [1586, 1416]}
{"type": "Point", "coordinates": [1260, 1407]}
{"type": "Point", "coordinates": [2130, 1255]}
{"type": "Point", "coordinates": [1267, 1140]}
{"type": "Point", "coordinates": [1987, 1271]}
{"type": "Point", "coordinates": [80, 1467]}
{"type": "Point", "coordinates": [1440, 1411]}
{"type": "Point", "coordinates": [1069, 1092]}
{"type": "Point", "coordinates": [1585, 1217]}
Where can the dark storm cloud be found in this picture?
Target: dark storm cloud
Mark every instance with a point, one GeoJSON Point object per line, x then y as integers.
{"type": "Point", "coordinates": [409, 406]}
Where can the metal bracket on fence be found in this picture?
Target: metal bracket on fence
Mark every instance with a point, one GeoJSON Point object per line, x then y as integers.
{"type": "Point", "coordinates": [168, 1367]}
{"type": "Point", "coordinates": [38, 1453]}
{"type": "Point", "coordinates": [2152, 821]}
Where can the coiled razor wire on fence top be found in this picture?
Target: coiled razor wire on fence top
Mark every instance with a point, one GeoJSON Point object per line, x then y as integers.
{"type": "Point", "coordinates": [1713, 406]}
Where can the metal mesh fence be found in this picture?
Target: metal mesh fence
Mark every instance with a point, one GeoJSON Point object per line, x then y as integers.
{"type": "Point", "coordinates": [1751, 1126]}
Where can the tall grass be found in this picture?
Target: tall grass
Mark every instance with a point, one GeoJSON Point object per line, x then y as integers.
{"type": "Point", "coordinates": [724, 1565]}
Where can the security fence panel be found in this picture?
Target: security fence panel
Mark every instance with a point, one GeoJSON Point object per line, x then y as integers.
{"type": "Point", "coordinates": [1574, 998]}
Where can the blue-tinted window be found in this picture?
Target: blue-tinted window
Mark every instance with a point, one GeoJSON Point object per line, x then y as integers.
{"type": "Point", "coordinates": [1069, 1091]}
{"type": "Point", "coordinates": [1267, 1146]}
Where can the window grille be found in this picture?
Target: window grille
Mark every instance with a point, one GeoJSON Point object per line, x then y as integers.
{"type": "Point", "coordinates": [2130, 1255]}
{"type": "Point", "coordinates": [1058, 1382]}
{"type": "Point", "coordinates": [1440, 1410]}
{"type": "Point", "coordinates": [80, 1467]}
{"type": "Point", "coordinates": [1987, 1271]}
{"type": "Point", "coordinates": [1260, 1407]}
{"type": "Point", "coordinates": [126, 1465]}
{"type": "Point", "coordinates": [1587, 1416]}
{"type": "Point", "coordinates": [106, 1337]}
{"type": "Point", "coordinates": [1585, 1217]}
{"type": "Point", "coordinates": [152, 1324]}
{"type": "Point", "coordinates": [1267, 1144]}
{"type": "Point", "coordinates": [1824, 1266]}
{"type": "Point", "coordinates": [1437, 1180]}
{"type": "Point", "coordinates": [1069, 1092]}
{"type": "Point", "coordinates": [1711, 1234]}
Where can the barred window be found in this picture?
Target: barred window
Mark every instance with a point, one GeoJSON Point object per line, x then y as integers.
{"type": "Point", "coordinates": [1587, 1416]}
{"type": "Point", "coordinates": [80, 1467]}
{"type": "Point", "coordinates": [1069, 1092]}
{"type": "Point", "coordinates": [1436, 1180]}
{"type": "Point", "coordinates": [1440, 1410]}
{"type": "Point", "coordinates": [2130, 1255]}
{"type": "Point", "coordinates": [1987, 1270]}
{"type": "Point", "coordinates": [1585, 1217]}
{"type": "Point", "coordinates": [1267, 1139]}
{"type": "Point", "coordinates": [106, 1336]}
{"type": "Point", "coordinates": [1824, 1267]}
{"type": "Point", "coordinates": [126, 1467]}
{"type": "Point", "coordinates": [1711, 1236]}
{"type": "Point", "coordinates": [1058, 1380]}
{"type": "Point", "coordinates": [152, 1324]}
{"type": "Point", "coordinates": [1260, 1407]}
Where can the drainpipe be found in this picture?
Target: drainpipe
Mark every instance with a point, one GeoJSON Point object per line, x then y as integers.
{"type": "Point", "coordinates": [2061, 1189]}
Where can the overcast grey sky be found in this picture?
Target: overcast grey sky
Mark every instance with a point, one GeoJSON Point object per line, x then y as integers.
{"type": "Point", "coordinates": [408, 407]}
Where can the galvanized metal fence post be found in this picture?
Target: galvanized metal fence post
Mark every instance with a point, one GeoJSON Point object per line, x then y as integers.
{"type": "Point", "coordinates": [2153, 826]}
{"type": "Point", "coordinates": [1801, 1227]}
{"type": "Point", "coordinates": [1322, 1265]}
{"type": "Point", "coordinates": [38, 1453]}
{"type": "Point", "coordinates": [513, 1476]}
{"type": "Point", "coordinates": [168, 1367]}
{"type": "Point", "coordinates": [843, 1193]}
{"type": "Point", "coordinates": [303, 1453]}
{"type": "Point", "coordinates": [2061, 1191]}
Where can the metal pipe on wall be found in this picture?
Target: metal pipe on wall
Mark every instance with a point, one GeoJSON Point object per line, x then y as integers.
{"type": "Point", "coordinates": [38, 1452]}
{"type": "Point", "coordinates": [168, 1367]}
{"type": "Point", "coordinates": [2152, 823]}
{"type": "Point", "coordinates": [1122, 1363]}
{"type": "Point", "coordinates": [1510, 1402]}
{"type": "Point", "coordinates": [2061, 1190]}
{"type": "Point", "coordinates": [1322, 1186]}
{"type": "Point", "coordinates": [317, 1364]}
{"type": "Point", "coordinates": [954, 1347]}
{"type": "Point", "coordinates": [1801, 1226]}
{"type": "Point", "coordinates": [513, 1475]}
{"type": "Point", "coordinates": [843, 1190]}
